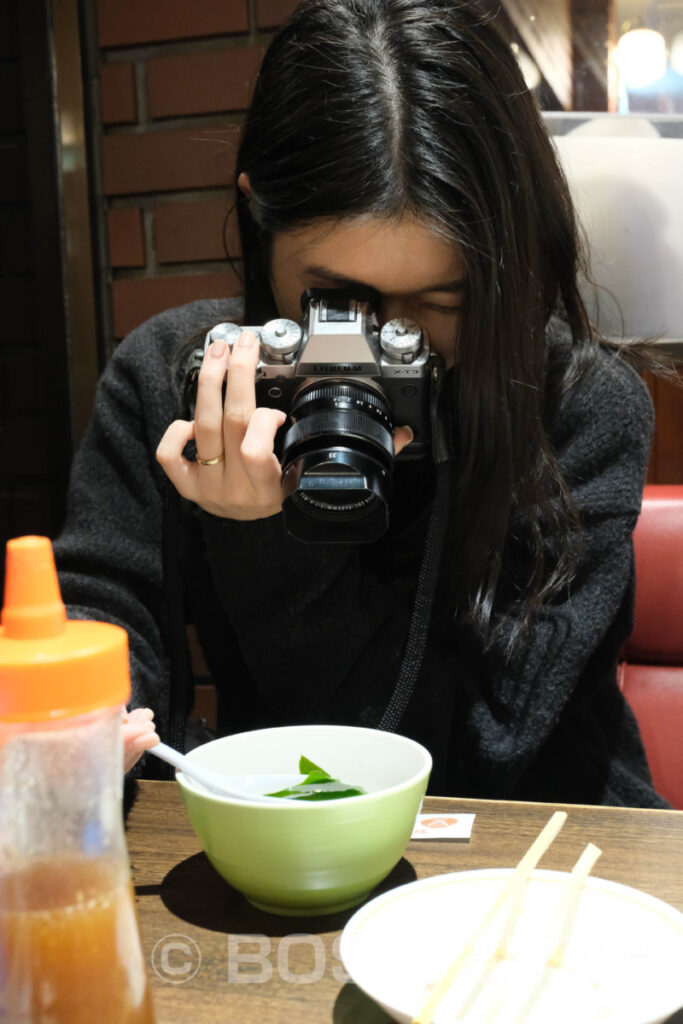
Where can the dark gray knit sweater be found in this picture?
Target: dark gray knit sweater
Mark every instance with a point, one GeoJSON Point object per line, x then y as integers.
{"type": "Point", "coordinates": [297, 633]}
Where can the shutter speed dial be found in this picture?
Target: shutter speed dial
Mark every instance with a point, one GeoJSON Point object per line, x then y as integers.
{"type": "Point", "coordinates": [401, 340]}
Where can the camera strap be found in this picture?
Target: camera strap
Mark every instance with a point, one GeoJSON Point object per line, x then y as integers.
{"type": "Point", "coordinates": [418, 630]}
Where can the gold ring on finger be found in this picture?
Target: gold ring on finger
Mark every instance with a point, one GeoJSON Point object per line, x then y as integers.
{"type": "Point", "coordinates": [210, 462]}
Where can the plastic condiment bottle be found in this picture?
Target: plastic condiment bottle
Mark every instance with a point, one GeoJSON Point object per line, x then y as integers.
{"type": "Point", "coordinates": [70, 948]}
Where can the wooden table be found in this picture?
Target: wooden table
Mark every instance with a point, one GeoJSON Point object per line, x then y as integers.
{"type": "Point", "coordinates": [214, 959]}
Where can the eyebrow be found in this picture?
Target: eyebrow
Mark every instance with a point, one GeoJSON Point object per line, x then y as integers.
{"type": "Point", "coordinates": [457, 286]}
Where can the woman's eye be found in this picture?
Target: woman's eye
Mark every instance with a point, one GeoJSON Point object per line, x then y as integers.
{"type": "Point", "coordinates": [434, 307]}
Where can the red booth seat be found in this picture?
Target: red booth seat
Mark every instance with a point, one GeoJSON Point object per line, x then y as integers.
{"type": "Point", "coordinates": [651, 674]}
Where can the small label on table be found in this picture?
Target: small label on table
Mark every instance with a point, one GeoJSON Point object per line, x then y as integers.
{"type": "Point", "coordinates": [443, 826]}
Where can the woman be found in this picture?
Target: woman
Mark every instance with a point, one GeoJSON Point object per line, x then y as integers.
{"type": "Point", "coordinates": [392, 144]}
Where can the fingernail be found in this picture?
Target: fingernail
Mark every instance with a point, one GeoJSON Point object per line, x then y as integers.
{"type": "Point", "coordinates": [410, 431]}
{"type": "Point", "coordinates": [217, 348]}
{"type": "Point", "coordinates": [247, 339]}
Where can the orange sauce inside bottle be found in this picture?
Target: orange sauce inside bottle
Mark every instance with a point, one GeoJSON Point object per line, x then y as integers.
{"type": "Point", "coordinates": [69, 945]}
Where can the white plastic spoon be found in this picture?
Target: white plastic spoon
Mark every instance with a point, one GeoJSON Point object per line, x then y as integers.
{"type": "Point", "coordinates": [241, 787]}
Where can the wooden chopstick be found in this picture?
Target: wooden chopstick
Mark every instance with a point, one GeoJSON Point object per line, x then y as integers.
{"type": "Point", "coordinates": [568, 911]}
{"type": "Point", "coordinates": [570, 898]}
{"type": "Point", "coordinates": [572, 892]}
{"type": "Point", "coordinates": [510, 892]}
{"type": "Point", "coordinates": [572, 895]}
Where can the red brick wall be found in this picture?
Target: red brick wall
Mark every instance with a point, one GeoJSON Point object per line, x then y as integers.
{"type": "Point", "coordinates": [173, 80]}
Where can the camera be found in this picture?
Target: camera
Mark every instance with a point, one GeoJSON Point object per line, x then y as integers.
{"type": "Point", "coordinates": [344, 382]}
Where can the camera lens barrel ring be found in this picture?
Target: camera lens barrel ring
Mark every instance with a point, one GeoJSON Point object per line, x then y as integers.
{"type": "Point", "coordinates": [336, 391]}
{"type": "Point", "coordinates": [339, 423]}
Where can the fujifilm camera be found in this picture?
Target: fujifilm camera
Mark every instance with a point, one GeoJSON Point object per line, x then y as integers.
{"type": "Point", "coordinates": [344, 382]}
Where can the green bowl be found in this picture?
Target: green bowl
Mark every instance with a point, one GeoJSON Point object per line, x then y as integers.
{"type": "Point", "coordinates": [299, 857]}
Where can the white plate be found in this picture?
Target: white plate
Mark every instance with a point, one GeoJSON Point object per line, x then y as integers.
{"type": "Point", "coordinates": [623, 961]}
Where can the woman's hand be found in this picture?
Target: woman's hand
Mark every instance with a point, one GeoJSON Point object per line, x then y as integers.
{"type": "Point", "coordinates": [244, 482]}
{"type": "Point", "coordinates": [236, 475]}
{"type": "Point", "coordinates": [139, 734]}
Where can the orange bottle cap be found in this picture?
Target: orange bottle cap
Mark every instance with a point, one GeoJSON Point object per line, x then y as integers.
{"type": "Point", "coordinates": [51, 666]}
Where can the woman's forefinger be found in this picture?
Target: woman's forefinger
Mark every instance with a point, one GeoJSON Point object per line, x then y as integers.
{"type": "Point", "coordinates": [240, 394]}
{"type": "Point", "coordinates": [208, 415]}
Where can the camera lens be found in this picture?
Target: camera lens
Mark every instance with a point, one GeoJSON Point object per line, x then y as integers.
{"type": "Point", "coordinates": [337, 459]}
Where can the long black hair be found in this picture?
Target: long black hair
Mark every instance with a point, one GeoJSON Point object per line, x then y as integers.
{"type": "Point", "coordinates": [418, 108]}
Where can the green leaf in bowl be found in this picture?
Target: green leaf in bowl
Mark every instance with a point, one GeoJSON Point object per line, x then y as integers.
{"type": "Point", "coordinates": [318, 785]}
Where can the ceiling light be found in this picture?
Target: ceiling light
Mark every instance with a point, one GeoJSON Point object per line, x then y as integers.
{"type": "Point", "coordinates": [641, 57]}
